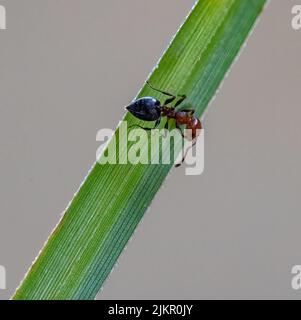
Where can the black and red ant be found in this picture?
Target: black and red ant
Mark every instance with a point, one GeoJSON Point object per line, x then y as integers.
{"type": "Point", "coordinates": [150, 109]}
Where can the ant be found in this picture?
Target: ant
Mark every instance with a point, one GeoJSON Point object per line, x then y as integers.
{"type": "Point", "coordinates": [150, 109]}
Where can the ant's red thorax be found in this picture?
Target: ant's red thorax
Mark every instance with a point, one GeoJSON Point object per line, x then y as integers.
{"type": "Point", "coordinates": [183, 118]}
{"type": "Point", "coordinates": [168, 112]}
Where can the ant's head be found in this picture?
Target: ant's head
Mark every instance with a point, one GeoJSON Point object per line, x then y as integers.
{"type": "Point", "coordinates": [146, 109]}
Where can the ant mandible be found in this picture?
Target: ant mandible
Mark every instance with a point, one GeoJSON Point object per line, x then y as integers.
{"type": "Point", "coordinates": [150, 109]}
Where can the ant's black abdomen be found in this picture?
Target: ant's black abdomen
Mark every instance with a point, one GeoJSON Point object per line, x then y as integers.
{"type": "Point", "coordinates": [146, 109]}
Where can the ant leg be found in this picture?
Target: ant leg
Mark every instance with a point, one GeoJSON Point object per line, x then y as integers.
{"type": "Point", "coordinates": [170, 124]}
{"type": "Point", "coordinates": [186, 152]}
{"type": "Point", "coordinates": [182, 98]}
{"type": "Point", "coordinates": [161, 91]}
{"type": "Point", "coordinates": [185, 155]}
{"type": "Point", "coordinates": [191, 111]}
{"type": "Point", "coordinates": [182, 134]}
{"type": "Point", "coordinates": [169, 100]}
{"type": "Point", "coordinates": [172, 96]}
{"type": "Point", "coordinates": [147, 129]}
{"type": "Point", "coordinates": [137, 125]}
{"type": "Point", "coordinates": [157, 123]}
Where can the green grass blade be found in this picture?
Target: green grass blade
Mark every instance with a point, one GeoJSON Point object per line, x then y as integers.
{"type": "Point", "coordinates": [101, 218]}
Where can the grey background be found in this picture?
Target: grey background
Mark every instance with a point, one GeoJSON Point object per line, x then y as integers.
{"type": "Point", "coordinates": [67, 68]}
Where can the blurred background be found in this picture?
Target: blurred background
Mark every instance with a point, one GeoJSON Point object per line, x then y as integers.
{"type": "Point", "coordinates": [68, 68]}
